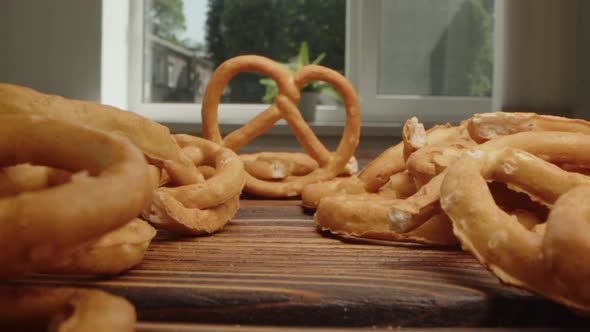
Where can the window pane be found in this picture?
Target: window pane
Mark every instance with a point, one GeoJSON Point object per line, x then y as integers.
{"type": "Point", "coordinates": [435, 47]}
{"type": "Point", "coordinates": [185, 40]}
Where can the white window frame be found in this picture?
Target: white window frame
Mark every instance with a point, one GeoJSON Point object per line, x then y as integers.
{"type": "Point", "coordinates": [362, 28]}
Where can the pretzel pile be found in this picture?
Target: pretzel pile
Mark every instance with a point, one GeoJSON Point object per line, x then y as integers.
{"type": "Point", "coordinates": [72, 185]}
{"type": "Point", "coordinates": [413, 189]}
{"type": "Point", "coordinates": [182, 205]}
{"type": "Point", "coordinates": [72, 227]}
{"type": "Point", "coordinates": [284, 174]}
{"type": "Point", "coordinates": [517, 255]}
{"type": "Point", "coordinates": [77, 177]}
{"type": "Point", "coordinates": [509, 187]}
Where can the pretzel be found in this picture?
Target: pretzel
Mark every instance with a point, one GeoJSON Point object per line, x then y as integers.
{"type": "Point", "coordinates": [278, 165]}
{"type": "Point", "coordinates": [330, 164]}
{"type": "Point", "coordinates": [120, 170]}
{"type": "Point", "coordinates": [365, 215]}
{"type": "Point", "coordinates": [152, 138]}
{"type": "Point", "coordinates": [378, 172]}
{"type": "Point", "coordinates": [111, 253]}
{"type": "Point", "coordinates": [204, 207]}
{"type": "Point", "coordinates": [548, 260]}
{"type": "Point", "coordinates": [426, 163]}
{"type": "Point", "coordinates": [26, 177]}
{"type": "Point", "coordinates": [36, 308]}
{"type": "Point", "coordinates": [36, 230]}
{"type": "Point", "coordinates": [400, 185]}
{"type": "Point", "coordinates": [485, 126]}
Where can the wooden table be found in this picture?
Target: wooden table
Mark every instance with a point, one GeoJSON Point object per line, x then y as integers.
{"type": "Point", "coordinates": [271, 267]}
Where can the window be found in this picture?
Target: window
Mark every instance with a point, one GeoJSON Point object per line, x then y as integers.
{"type": "Point", "coordinates": [425, 58]}
{"type": "Point", "coordinates": [430, 58]}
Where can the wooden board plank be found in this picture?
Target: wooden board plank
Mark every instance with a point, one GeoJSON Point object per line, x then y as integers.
{"type": "Point", "coordinates": [175, 327]}
{"type": "Point", "coordinates": [270, 266]}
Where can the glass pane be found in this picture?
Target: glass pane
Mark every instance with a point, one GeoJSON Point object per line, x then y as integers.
{"type": "Point", "coordinates": [185, 40]}
{"type": "Point", "coordinates": [436, 47]}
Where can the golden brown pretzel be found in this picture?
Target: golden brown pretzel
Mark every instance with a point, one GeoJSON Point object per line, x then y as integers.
{"type": "Point", "coordinates": [112, 253]}
{"type": "Point", "coordinates": [425, 163]}
{"type": "Point", "coordinates": [152, 138]}
{"type": "Point", "coordinates": [549, 260]}
{"type": "Point", "coordinates": [330, 164]}
{"type": "Point", "coordinates": [27, 177]}
{"type": "Point", "coordinates": [29, 308]}
{"type": "Point", "coordinates": [33, 230]}
{"type": "Point", "coordinates": [400, 185]}
{"type": "Point", "coordinates": [278, 165]}
{"type": "Point", "coordinates": [39, 228]}
{"type": "Point", "coordinates": [485, 126]}
{"type": "Point", "coordinates": [204, 207]}
{"type": "Point", "coordinates": [365, 215]}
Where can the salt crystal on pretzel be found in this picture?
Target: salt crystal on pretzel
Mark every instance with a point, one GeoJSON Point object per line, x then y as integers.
{"type": "Point", "coordinates": [414, 136]}
{"type": "Point", "coordinates": [152, 138]}
{"type": "Point", "coordinates": [284, 106]}
{"type": "Point", "coordinates": [548, 260]}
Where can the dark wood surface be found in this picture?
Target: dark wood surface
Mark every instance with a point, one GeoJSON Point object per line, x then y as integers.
{"type": "Point", "coordinates": [271, 267]}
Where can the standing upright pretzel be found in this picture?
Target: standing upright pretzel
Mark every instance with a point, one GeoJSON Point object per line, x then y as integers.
{"type": "Point", "coordinates": [284, 107]}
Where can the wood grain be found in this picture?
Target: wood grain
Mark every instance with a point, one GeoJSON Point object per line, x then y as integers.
{"type": "Point", "coordinates": [175, 327]}
{"type": "Point", "coordinates": [271, 267]}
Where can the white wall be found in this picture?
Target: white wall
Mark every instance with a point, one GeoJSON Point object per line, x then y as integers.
{"type": "Point", "coordinates": [538, 56]}
{"type": "Point", "coordinates": [53, 46]}
{"type": "Point", "coordinates": [583, 42]}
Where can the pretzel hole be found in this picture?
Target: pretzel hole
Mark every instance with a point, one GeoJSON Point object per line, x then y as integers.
{"type": "Point", "coordinates": [518, 204]}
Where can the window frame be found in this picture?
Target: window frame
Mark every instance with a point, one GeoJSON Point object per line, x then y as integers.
{"type": "Point", "coordinates": [362, 36]}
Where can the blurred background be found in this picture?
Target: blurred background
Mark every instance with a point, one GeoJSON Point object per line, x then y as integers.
{"type": "Point", "coordinates": [440, 60]}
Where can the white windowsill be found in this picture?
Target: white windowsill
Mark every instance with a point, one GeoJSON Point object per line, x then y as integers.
{"type": "Point", "coordinates": [329, 119]}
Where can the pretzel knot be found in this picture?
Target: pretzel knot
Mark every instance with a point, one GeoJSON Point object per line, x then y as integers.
{"type": "Point", "coordinates": [330, 164]}
{"type": "Point", "coordinates": [549, 259]}
{"type": "Point", "coordinates": [203, 207]}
